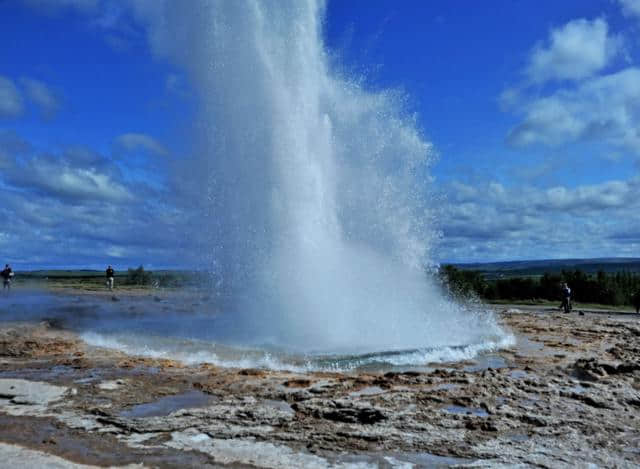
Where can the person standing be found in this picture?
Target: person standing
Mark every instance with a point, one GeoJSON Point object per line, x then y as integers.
{"type": "Point", "coordinates": [566, 298]}
{"type": "Point", "coordinates": [7, 275]}
{"type": "Point", "coordinates": [635, 301]}
{"type": "Point", "coordinates": [110, 274]}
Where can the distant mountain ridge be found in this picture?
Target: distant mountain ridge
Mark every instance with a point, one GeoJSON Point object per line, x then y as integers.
{"type": "Point", "coordinates": [539, 267]}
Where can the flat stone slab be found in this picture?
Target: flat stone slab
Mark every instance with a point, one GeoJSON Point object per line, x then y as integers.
{"type": "Point", "coordinates": [255, 453]}
{"type": "Point", "coordinates": [112, 385]}
{"type": "Point", "coordinates": [23, 392]}
{"type": "Point", "coordinates": [17, 456]}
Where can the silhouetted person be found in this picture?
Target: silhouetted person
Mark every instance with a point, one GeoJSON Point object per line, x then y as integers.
{"type": "Point", "coordinates": [7, 275]}
{"type": "Point", "coordinates": [110, 274]}
{"type": "Point", "coordinates": [635, 301]}
{"type": "Point", "coordinates": [566, 298]}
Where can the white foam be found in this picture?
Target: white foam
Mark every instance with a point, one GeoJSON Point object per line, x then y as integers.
{"type": "Point", "coordinates": [199, 352]}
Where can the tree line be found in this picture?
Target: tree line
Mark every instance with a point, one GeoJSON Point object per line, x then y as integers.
{"type": "Point", "coordinates": [616, 289]}
{"type": "Point", "coordinates": [165, 279]}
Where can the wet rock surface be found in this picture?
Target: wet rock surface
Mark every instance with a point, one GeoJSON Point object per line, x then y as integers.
{"type": "Point", "coordinates": [567, 395]}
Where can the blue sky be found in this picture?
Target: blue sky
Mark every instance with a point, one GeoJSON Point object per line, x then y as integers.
{"type": "Point", "coordinates": [533, 109]}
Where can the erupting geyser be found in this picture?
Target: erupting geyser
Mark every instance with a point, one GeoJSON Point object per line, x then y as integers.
{"type": "Point", "coordinates": [316, 190]}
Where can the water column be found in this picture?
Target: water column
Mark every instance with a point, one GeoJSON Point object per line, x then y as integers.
{"type": "Point", "coordinates": [316, 192]}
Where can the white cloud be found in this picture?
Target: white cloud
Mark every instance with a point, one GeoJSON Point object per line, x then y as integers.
{"type": "Point", "coordinates": [90, 233]}
{"type": "Point", "coordinates": [42, 96]}
{"type": "Point", "coordinates": [11, 103]}
{"type": "Point", "coordinates": [575, 51]}
{"type": "Point", "coordinates": [531, 222]}
{"type": "Point", "coordinates": [63, 180]}
{"type": "Point", "coordinates": [583, 200]}
{"type": "Point", "coordinates": [630, 7]}
{"type": "Point", "coordinates": [464, 191]}
{"type": "Point", "coordinates": [605, 108]}
{"type": "Point", "coordinates": [610, 194]}
{"type": "Point", "coordinates": [75, 175]}
{"type": "Point", "coordinates": [134, 141]}
{"type": "Point", "coordinates": [88, 210]}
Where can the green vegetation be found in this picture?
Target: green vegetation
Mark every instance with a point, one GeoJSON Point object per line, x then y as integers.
{"type": "Point", "coordinates": [536, 269]}
{"type": "Point", "coordinates": [95, 280]}
{"type": "Point", "coordinates": [138, 277]}
{"type": "Point", "coordinates": [502, 285]}
{"type": "Point", "coordinates": [164, 278]}
{"type": "Point", "coordinates": [615, 289]}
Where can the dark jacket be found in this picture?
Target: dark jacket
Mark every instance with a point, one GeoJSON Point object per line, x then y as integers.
{"type": "Point", "coordinates": [6, 273]}
{"type": "Point", "coordinates": [110, 273]}
{"type": "Point", "coordinates": [635, 301]}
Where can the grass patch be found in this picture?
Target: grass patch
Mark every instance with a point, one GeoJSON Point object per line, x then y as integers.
{"type": "Point", "coordinates": [556, 304]}
{"type": "Point", "coordinates": [95, 280]}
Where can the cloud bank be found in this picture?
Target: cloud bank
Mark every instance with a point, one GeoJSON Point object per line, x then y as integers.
{"type": "Point", "coordinates": [491, 221]}
{"type": "Point", "coordinates": [78, 207]}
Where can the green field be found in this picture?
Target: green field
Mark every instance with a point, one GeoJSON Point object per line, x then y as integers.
{"type": "Point", "coordinates": [555, 304]}
{"type": "Point", "coordinates": [95, 280]}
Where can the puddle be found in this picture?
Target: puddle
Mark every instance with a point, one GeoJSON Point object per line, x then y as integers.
{"type": "Point", "coordinates": [111, 385]}
{"type": "Point", "coordinates": [166, 405]}
{"type": "Point", "coordinates": [40, 374]}
{"type": "Point", "coordinates": [433, 460]}
{"type": "Point", "coordinates": [518, 374]}
{"type": "Point", "coordinates": [518, 437]}
{"type": "Point", "coordinates": [92, 378]}
{"type": "Point", "coordinates": [528, 402]}
{"type": "Point", "coordinates": [368, 391]}
{"type": "Point", "coordinates": [577, 389]}
{"type": "Point", "coordinates": [528, 345]}
{"type": "Point", "coordinates": [445, 387]}
{"type": "Point", "coordinates": [401, 460]}
{"type": "Point", "coordinates": [456, 409]}
{"type": "Point", "coordinates": [486, 361]}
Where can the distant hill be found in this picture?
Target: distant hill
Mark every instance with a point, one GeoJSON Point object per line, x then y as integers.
{"type": "Point", "coordinates": [86, 273]}
{"type": "Point", "coordinates": [79, 273]}
{"type": "Point", "coordinates": [539, 267]}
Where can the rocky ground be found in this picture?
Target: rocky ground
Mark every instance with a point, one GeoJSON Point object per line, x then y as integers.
{"type": "Point", "coordinates": [568, 395]}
